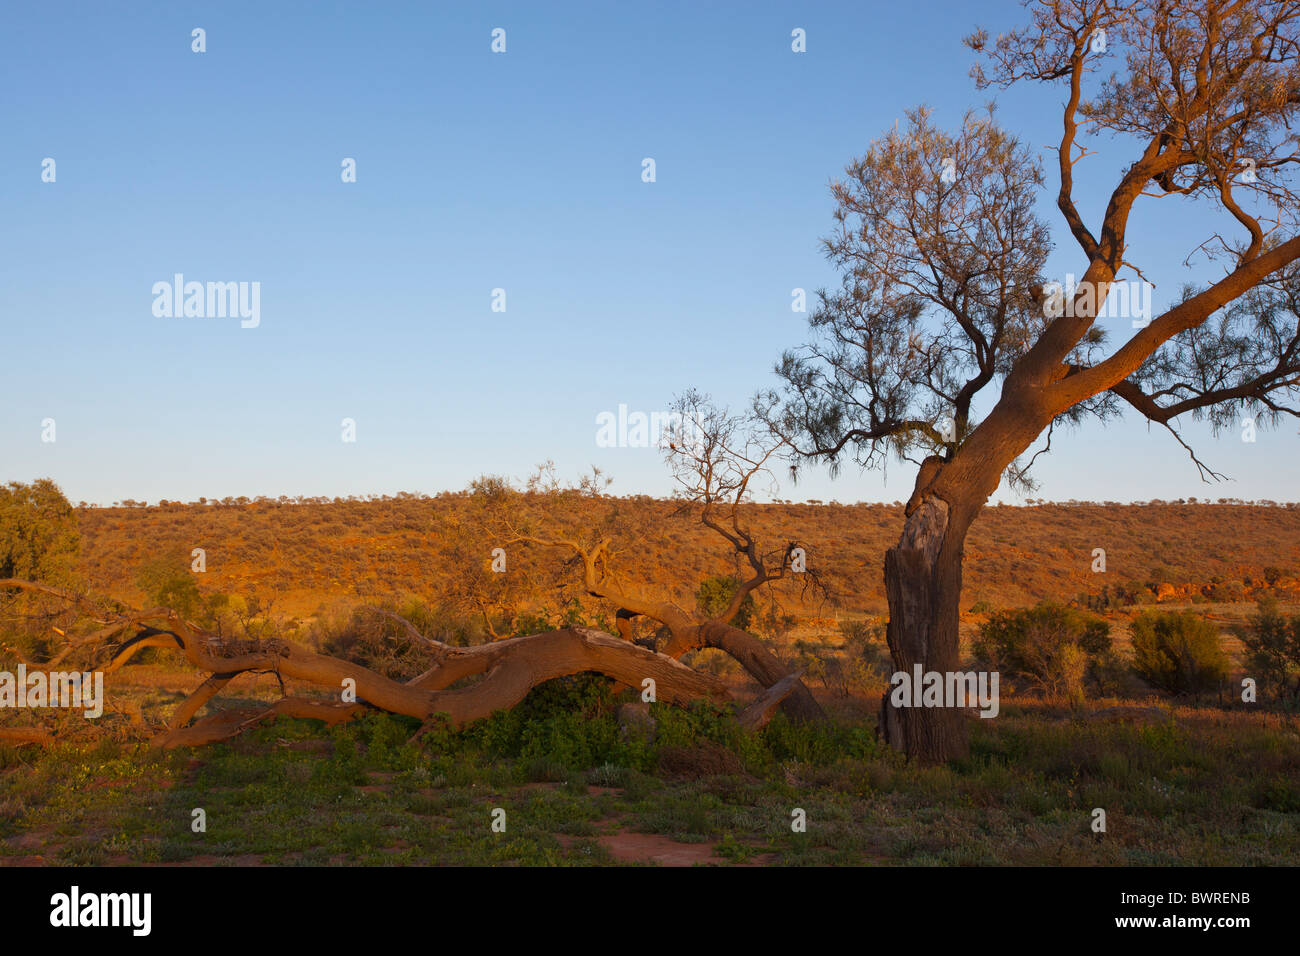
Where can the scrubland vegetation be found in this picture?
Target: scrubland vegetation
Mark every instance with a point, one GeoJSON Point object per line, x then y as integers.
{"type": "Point", "coordinates": [1126, 696]}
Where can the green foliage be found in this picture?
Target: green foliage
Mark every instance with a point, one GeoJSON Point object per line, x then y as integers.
{"type": "Point", "coordinates": [1110, 675]}
{"type": "Point", "coordinates": [820, 743]}
{"type": "Point", "coordinates": [736, 852]}
{"type": "Point", "coordinates": [572, 614]}
{"type": "Point", "coordinates": [39, 540]}
{"type": "Point", "coordinates": [865, 641]}
{"type": "Point", "coordinates": [715, 595]}
{"type": "Point", "coordinates": [1281, 795]}
{"type": "Point", "coordinates": [167, 581]}
{"type": "Point", "coordinates": [570, 725]}
{"type": "Point", "coordinates": [701, 720]}
{"type": "Point", "coordinates": [1273, 649]}
{"type": "Point", "coordinates": [861, 659]}
{"type": "Point", "coordinates": [1051, 646]}
{"type": "Point", "coordinates": [1200, 792]}
{"type": "Point", "coordinates": [1179, 652]}
{"type": "Point", "coordinates": [568, 722]}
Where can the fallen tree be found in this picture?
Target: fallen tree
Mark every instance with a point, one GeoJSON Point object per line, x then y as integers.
{"type": "Point", "coordinates": [508, 669]}
{"type": "Point", "coordinates": [715, 460]}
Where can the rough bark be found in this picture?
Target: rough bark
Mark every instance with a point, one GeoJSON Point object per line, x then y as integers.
{"type": "Point", "coordinates": [760, 711]}
{"type": "Point", "coordinates": [765, 667]}
{"type": "Point", "coordinates": [923, 588]}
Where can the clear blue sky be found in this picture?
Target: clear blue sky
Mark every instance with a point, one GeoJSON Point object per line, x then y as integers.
{"type": "Point", "coordinates": [475, 171]}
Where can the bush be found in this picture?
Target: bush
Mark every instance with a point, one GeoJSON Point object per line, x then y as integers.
{"type": "Point", "coordinates": [39, 541]}
{"type": "Point", "coordinates": [167, 581]}
{"type": "Point", "coordinates": [1226, 592]}
{"type": "Point", "coordinates": [383, 644]}
{"type": "Point", "coordinates": [38, 532]}
{"type": "Point", "coordinates": [1051, 646]}
{"type": "Point", "coordinates": [865, 641]}
{"type": "Point", "coordinates": [572, 614]}
{"type": "Point", "coordinates": [1279, 795]}
{"type": "Point", "coordinates": [1178, 652]}
{"type": "Point", "coordinates": [491, 488]}
{"type": "Point", "coordinates": [714, 596]}
{"type": "Point", "coordinates": [1159, 575]}
{"type": "Point", "coordinates": [1123, 594]}
{"type": "Point", "coordinates": [1273, 649]}
{"type": "Point", "coordinates": [861, 660]}
{"type": "Point", "coordinates": [1109, 675]}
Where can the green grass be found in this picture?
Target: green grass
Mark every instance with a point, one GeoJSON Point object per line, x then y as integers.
{"type": "Point", "coordinates": [1217, 787]}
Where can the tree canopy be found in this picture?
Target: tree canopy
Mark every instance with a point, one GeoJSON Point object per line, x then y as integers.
{"type": "Point", "coordinates": [39, 540]}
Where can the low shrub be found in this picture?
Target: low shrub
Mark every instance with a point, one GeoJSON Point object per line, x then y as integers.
{"type": "Point", "coordinates": [1051, 647]}
{"type": "Point", "coordinates": [1273, 651]}
{"type": "Point", "coordinates": [1178, 652]}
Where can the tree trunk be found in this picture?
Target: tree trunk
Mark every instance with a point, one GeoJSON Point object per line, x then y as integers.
{"type": "Point", "coordinates": [762, 665]}
{"type": "Point", "coordinates": [923, 587]}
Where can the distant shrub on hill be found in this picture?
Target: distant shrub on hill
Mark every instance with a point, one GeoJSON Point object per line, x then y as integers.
{"type": "Point", "coordinates": [490, 487]}
{"type": "Point", "coordinates": [1225, 592]}
{"type": "Point", "coordinates": [1178, 652]}
{"type": "Point", "coordinates": [1120, 594]}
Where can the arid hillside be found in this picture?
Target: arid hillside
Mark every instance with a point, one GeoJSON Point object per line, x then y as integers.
{"type": "Point", "coordinates": [308, 555]}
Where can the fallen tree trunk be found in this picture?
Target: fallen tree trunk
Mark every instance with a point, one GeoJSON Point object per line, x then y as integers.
{"type": "Point", "coordinates": [225, 724]}
{"type": "Point", "coordinates": [512, 667]}
{"type": "Point", "coordinates": [765, 667]}
{"type": "Point", "coordinates": [509, 668]}
{"type": "Point", "coordinates": [760, 711]}
{"type": "Point", "coordinates": [17, 736]}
